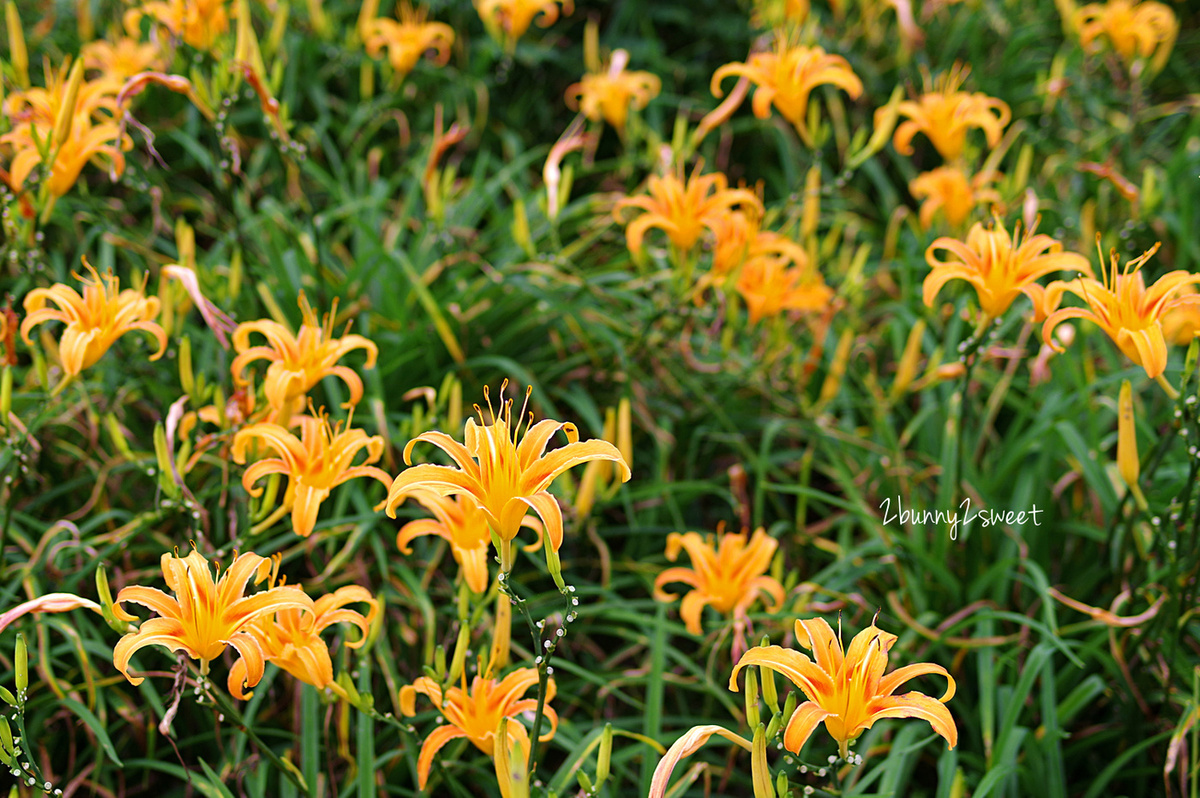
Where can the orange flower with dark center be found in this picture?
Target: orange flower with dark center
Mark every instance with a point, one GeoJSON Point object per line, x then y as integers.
{"type": "Point", "coordinates": [848, 689]}
{"type": "Point", "coordinates": [945, 114]}
{"type": "Point", "coordinates": [409, 39]}
{"type": "Point", "coordinates": [729, 575]}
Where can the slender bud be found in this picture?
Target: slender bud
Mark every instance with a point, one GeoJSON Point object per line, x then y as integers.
{"type": "Point", "coordinates": [604, 757]}
{"type": "Point", "coordinates": [907, 369]}
{"type": "Point", "coordinates": [21, 669]}
{"type": "Point", "coordinates": [501, 634]}
{"type": "Point", "coordinates": [770, 694]}
{"type": "Point", "coordinates": [66, 112]}
{"type": "Point", "coordinates": [812, 203]}
{"type": "Point", "coordinates": [187, 377]}
{"type": "Point", "coordinates": [625, 431]}
{"type": "Point", "coordinates": [775, 725]}
{"type": "Point", "coordinates": [439, 662]}
{"type": "Point", "coordinates": [585, 783]}
{"type": "Point", "coordinates": [6, 384]}
{"type": "Point", "coordinates": [760, 772]}
{"type": "Point", "coordinates": [6, 738]}
{"type": "Point", "coordinates": [18, 56]}
{"type": "Point", "coordinates": [781, 785]}
{"type": "Point", "coordinates": [162, 454]}
{"type": "Point", "coordinates": [752, 714]}
{"type": "Point", "coordinates": [1127, 453]}
{"type": "Point", "coordinates": [460, 653]}
{"type": "Point", "coordinates": [789, 706]}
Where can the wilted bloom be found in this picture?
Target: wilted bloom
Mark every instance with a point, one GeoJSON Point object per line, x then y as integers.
{"type": "Point", "coordinates": [205, 616]}
{"type": "Point", "coordinates": [729, 575]}
{"type": "Point", "coordinates": [610, 93]}
{"type": "Point", "coordinates": [409, 39]}
{"type": "Point", "coordinates": [121, 60]}
{"type": "Point", "coordinates": [786, 76]}
{"type": "Point", "coordinates": [476, 714]}
{"type": "Point", "coordinates": [849, 691]}
{"type": "Point", "coordinates": [945, 114]}
{"type": "Point", "coordinates": [198, 22]}
{"type": "Point", "coordinates": [947, 189]}
{"type": "Point", "coordinates": [299, 362]}
{"type": "Point", "coordinates": [1000, 266]}
{"type": "Point", "coordinates": [777, 276]}
{"type": "Point", "coordinates": [95, 320]}
{"type": "Point", "coordinates": [1135, 30]}
{"type": "Point", "coordinates": [682, 210]}
{"type": "Point", "coordinates": [291, 638]}
{"type": "Point", "coordinates": [1126, 309]}
{"type": "Point", "coordinates": [511, 18]}
{"type": "Point", "coordinates": [465, 527]}
{"type": "Point", "coordinates": [51, 602]}
{"type": "Point", "coordinates": [316, 463]}
{"type": "Point", "coordinates": [502, 478]}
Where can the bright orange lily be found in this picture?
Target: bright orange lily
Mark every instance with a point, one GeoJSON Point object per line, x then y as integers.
{"type": "Point", "coordinates": [503, 479]}
{"type": "Point", "coordinates": [948, 189]}
{"type": "Point", "coordinates": [1135, 30]}
{"type": "Point", "coordinates": [777, 276]}
{"type": "Point", "coordinates": [849, 691]}
{"type": "Point", "coordinates": [682, 210]}
{"type": "Point", "coordinates": [198, 22]}
{"type": "Point", "coordinates": [95, 320]}
{"type": "Point", "coordinates": [407, 40]}
{"type": "Point", "coordinates": [1000, 267]}
{"type": "Point", "coordinates": [465, 527]}
{"type": "Point", "coordinates": [205, 616]}
{"type": "Point", "coordinates": [315, 464]}
{"type": "Point", "coordinates": [729, 575]}
{"type": "Point", "coordinates": [786, 77]}
{"type": "Point", "coordinates": [1126, 309]}
{"type": "Point", "coordinates": [609, 93]}
{"type": "Point", "coordinates": [292, 640]}
{"type": "Point", "coordinates": [944, 114]}
{"type": "Point", "coordinates": [121, 60]}
{"type": "Point", "coordinates": [509, 19]}
{"type": "Point", "coordinates": [299, 362]}
{"type": "Point", "coordinates": [476, 714]}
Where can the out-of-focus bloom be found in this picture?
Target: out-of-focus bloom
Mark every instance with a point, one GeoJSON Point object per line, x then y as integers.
{"type": "Point", "coordinates": [777, 276]}
{"type": "Point", "coordinates": [945, 114]}
{"type": "Point", "coordinates": [205, 616]}
{"type": "Point", "coordinates": [198, 22]}
{"type": "Point", "coordinates": [848, 690]}
{"type": "Point", "coordinates": [1181, 323]}
{"type": "Point", "coordinates": [1000, 267]}
{"type": "Point", "coordinates": [729, 575]}
{"type": "Point", "coordinates": [786, 77]}
{"type": "Point", "coordinates": [1134, 30]}
{"type": "Point", "coordinates": [509, 19]}
{"type": "Point", "coordinates": [598, 474]}
{"type": "Point", "coordinates": [95, 320]}
{"type": "Point", "coordinates": [121, 60]}
{"type": "Point", "coordinates": [1129, 312]}
{"type": "Point", "coordinates": [465, 527]}
{"type": "Point", "coordinates": [315, 463]}
{"type": "Point", "coordinates": [733, 235]}
{"type": "Point", "coordinates": [609, 93]}
{"type": "Point", "coordinates": [476, 714]}
{"type": "Point", "coordinates": [502, 478]}
{"type": "Point", "coordinates": [682, 210]}
{"type": "Point", "coordinates": [689, 743]}
{"type": "Point", "coordinates": [948, 190]}
{"type": "Point", "coordinates": [299, 362]}
{"type": "Point", "coordinates": [292, 640]}
{"type": "Point", "coordinates": [409, 39]}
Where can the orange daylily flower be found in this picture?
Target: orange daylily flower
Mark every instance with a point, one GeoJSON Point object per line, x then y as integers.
{"type": "Point", "coordinates": [1134, 30]}
{"type": "Point", "coordinates": [95, 320]}
{"type": "Point", "coordinates": [1182, 322]}
{"type": "Point", "coordinates": [118, 61]}
{"type": "Point", "coordinates": [198, 22]}
{"type": "Point", "coordinates": [299, 362]}
{"type": "Point", "coordinates": [502, 478]}
{"type": "Point", "coordinates": [948, 190]}
{"type": "Point", "coordinates": [511, 18]}
{"type": "Point", "coordinates": [205, 616]}
{"type": "Point", "coordinates": [465, 527]}
{"type": "Point", "coordinates": [769, 285]}
{"type": "Point", "coordinates": [733, 235]}
{"type": "Point", "coordinates": [1000, 267]}
{"type": "Point", "coordinates": [409, 39]}
{"type": "Point", "coordinates": [729, 575]}
{"type": "Point", "coordinates": [476, 714]}
{"type": "Point", "coordinates": [944, 114]}
{"type": "Point", "coordinates": [682, 210]}
{"type": "Point", "coordinates": [786, 77]}
{"type": "Point", "coordinates": [1126, 309]}
{"type": "Point", "coordinates": [292, 640]}
{"type": "Point", "coordinates": [609, 93]}
{"type": "Point", "coordinates": [848, 689]}
{"type": "Point", "coordinates": [315, 463]}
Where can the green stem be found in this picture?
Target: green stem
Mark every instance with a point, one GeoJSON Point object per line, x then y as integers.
{"type": "Point", "coordinates": [229, 710]}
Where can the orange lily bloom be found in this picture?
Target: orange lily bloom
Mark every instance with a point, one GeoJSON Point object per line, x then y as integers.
{"type": "Point", "coordinates": [121, 60]}
{"type": "Point", "coordinates": [729, 575]}
{"type": "Point", "coordinates": [948, 189]}
{"type": "Point", "coordinates": [682, 210]}
{"type": "Point", "coordinates": [465, 527]}
{"type": "Point", "coordinates": [769, 285]}
{"type": "Point", "coordinates": [407, 40]}
{"type": "Point", "coordinates": [734, 234]}
{"type": "Point", "coordinates": [205, 616]}
{"type": "Point", "coordinates": [944, 114]}
{"type": "Point", "coordinates": [848, 690]}
{"type": "Point", "coordinates": [1126, 309]}
{"type": "Point", "coordinates": [502, 478]}
{"type": "Point", "coordinates": [609, 93]}
{"type": "Point", "coordinates": [787, 76]}
{"type": "Point", "coordinates": [1000, 267]}
{"type": "Point", "coordinates": [95, 320]}
{"type": "Point", "coordinates": [1182, 322]}
{"type": "Point", "coordinates": [513, 17]}
{"type": "Point", "coordinates": [476, 714]}
{"type": "Point", "coordinates": [315, 463]}
{"type": "Point", "coordinates": [299, 362]}
{"type": "Point", "coordinates": [292, 640]}
{"type": "Point", "coordinates": [1134, 30]}
{"type": "Point", "coordinates": [198, 22]}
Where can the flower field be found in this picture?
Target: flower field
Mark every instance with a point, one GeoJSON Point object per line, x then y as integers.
{"type": "Point", "coordinates": [535, 398]}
